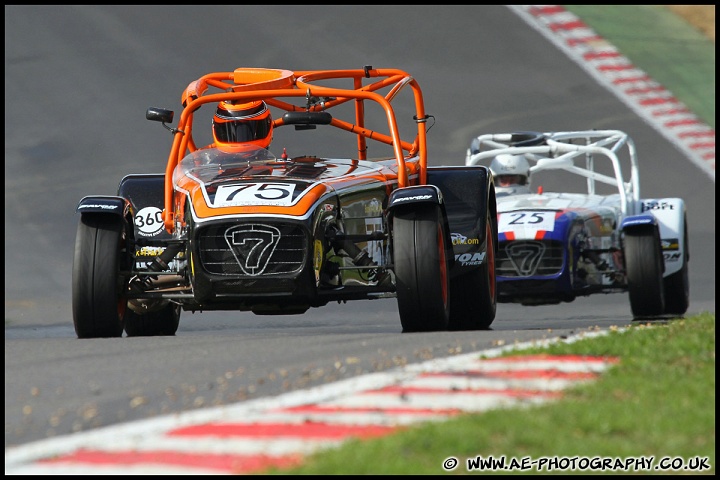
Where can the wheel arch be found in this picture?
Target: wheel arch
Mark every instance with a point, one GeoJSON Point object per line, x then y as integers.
{"type": "Point", "coordinates": [671, 216]}
{"type": "Point", "coordinates": [113, 205]}
{"type": "Point", "coordinates": [418, 197]}
{"type": "Point", "coordinates": [110, 206]}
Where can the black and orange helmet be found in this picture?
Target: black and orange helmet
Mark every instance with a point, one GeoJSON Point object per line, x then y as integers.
{"type": "Point", "coordinates": [244, 123]}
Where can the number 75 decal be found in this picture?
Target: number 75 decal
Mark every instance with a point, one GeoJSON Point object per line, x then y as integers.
{"type": "Point", "coordinates": [254, 194]}
{"type": "Point", "coordinates": [510, 221]}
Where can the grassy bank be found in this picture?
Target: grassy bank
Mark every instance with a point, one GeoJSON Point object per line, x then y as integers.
{"type": "Point", "coordinates": [659, 401]}
{"type": "Point", "coordinates": [668, 47]}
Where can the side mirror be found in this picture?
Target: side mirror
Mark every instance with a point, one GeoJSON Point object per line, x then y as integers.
{"type": "Point", "coordinates": [159, 115]}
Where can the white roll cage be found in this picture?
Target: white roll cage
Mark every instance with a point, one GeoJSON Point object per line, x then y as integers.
{"type": "Point", "coordinates": [559, 150]}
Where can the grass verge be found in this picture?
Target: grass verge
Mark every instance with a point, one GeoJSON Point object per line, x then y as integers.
{"type": "Point", "coordinates": [658, 402]}
{"type": "Point", "coordinates": [668, 47]}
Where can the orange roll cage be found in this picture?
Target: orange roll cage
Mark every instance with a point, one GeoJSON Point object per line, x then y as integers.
{"type": "Point", "coordinates": [270, 85]}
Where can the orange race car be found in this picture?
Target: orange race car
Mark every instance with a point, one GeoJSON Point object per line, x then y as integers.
{"type": "Point", "coordinates": [231, 226]}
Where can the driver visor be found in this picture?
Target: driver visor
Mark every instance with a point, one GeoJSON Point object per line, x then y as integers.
{"type": "Point", "coordinates": [244, 131]}
{"type": "Point", "coordinates": [506, 180]}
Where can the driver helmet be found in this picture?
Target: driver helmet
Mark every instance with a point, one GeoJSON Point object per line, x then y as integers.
{"type": "Point", "coordinates": [511, 174]}
{"type": "Point", "coordinates": [245, 123]}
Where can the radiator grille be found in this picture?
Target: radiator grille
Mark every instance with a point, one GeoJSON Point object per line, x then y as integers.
{"type": "Point", "coordinates": [529, 258]}
{"type": "Point", "coordinates": [252, 249]}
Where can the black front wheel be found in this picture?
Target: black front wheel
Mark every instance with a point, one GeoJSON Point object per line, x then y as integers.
{"type": "Point", "coordinates": [644, 264]}
{"type": "Point", "coordinates": [421, 269]}
{"type": "Point", "coordinates": [97, 285]}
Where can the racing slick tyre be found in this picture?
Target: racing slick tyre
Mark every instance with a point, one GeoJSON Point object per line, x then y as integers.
{"type": "Point", "coordinates": [100, 254]}
{"type": "Point", "coordinates": [677, 286]}
{"type": "Point", "coordinates": [421, 269]}
{"type": "Point", "coordinates": [644, 264]}
{"type": "Point", "coordinates": [473, 299]}
{"type": "Point", "coordinates": [163, 322]}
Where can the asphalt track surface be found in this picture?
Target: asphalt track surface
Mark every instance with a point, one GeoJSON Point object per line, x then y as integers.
{"type": "Point", "coordinates": [250, 437]}
{"type": "Point", "coordinates": [78, 80]}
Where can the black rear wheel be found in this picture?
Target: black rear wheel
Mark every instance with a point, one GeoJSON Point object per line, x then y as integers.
{"type": "Point", "coordinates": [644, 264]}
{"type": "Point", "coordinates": [473, 300]}
{"type": "Point", "coordinates": [421, 269]}
{"type": "Point", "coordinates": [100, 251]}
{"type": "Point", "coordinates": [677, 285]}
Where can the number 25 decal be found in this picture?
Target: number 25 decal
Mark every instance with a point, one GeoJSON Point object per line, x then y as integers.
{"type": "Point", "coordinates": [524, 218]}
{"type": "Point", "coordinates": [510, 221]}
{"type": "Point", "coordinates": [254, 194]}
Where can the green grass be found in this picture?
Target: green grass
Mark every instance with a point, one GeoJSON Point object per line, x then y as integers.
{"type": "Point", "coordinates": [659, 401]}
{"type": "Point", "coordinates": [663, 45]}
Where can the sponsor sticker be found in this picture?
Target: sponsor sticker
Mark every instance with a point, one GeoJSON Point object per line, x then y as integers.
{"type": "Point", "coordinates": [149, 222]}
{"type": "Point", "coordinates": [414, 197]}
{"type": "Point", "coordinates": [470, 259]}
{"type": "Point", "coordinates": [97, 205]}
{"type": "Point", "coordinates": [460, 239]}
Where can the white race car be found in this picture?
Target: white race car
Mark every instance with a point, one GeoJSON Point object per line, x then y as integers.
{"type": "Point", "coordinates": [556, 246]}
